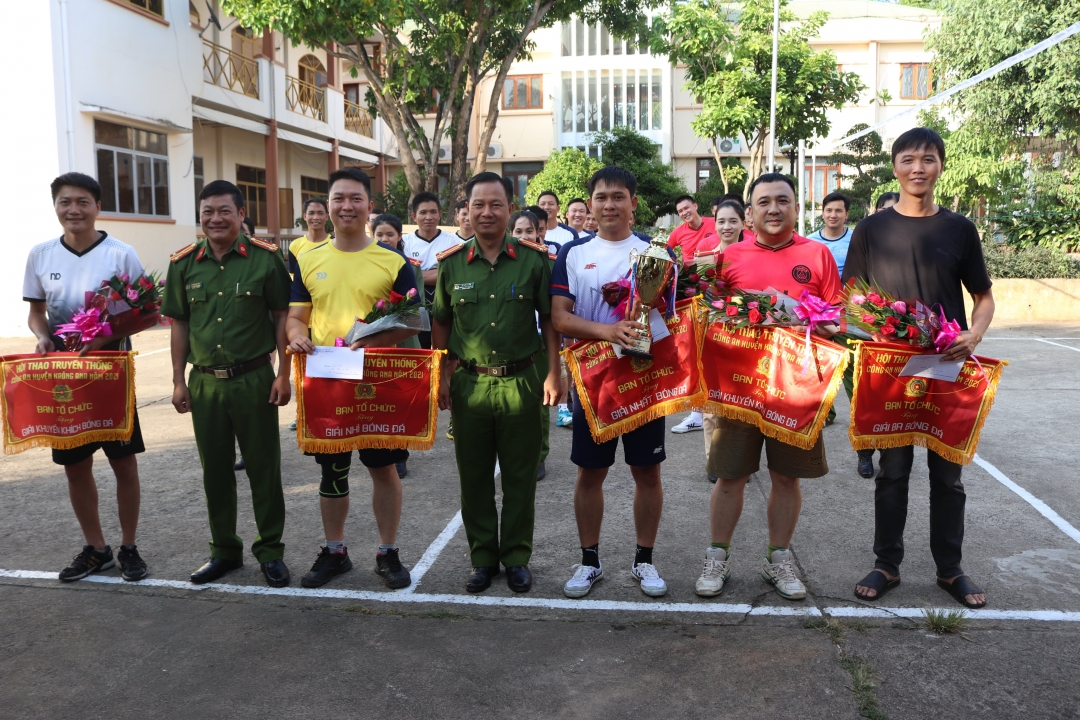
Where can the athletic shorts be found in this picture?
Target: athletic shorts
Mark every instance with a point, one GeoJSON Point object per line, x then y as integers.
{"type": "Point", "coordinates": [369, 458]}
{"type": "Point", "coordinates": [114, 449]}
{"type": "Point", "coordinates": [736, 453]}
{"type": "Point", "coordinates": [643, 447]}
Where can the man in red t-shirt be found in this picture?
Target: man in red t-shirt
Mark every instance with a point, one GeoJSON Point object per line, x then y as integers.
{"type": "Point", "coordinates": [694, 231]}
{"type": "Point", "coordinates": [780, 259]}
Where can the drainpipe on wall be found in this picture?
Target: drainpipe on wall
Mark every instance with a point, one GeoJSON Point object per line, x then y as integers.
{"type": "Point", "coordinates": [70, 110]}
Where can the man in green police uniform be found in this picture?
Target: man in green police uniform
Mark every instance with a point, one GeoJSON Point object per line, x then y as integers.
{"type": "Point", "coordinates": [228, 296]}
{"type": "Point", "coordinates": [486, 299]}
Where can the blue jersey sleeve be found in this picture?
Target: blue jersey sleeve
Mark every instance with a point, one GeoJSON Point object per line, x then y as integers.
{"type": "Point", "coordinates": [406, 280]}
{"type": "Point", "coordinates": [560, 279]}
{"type": "Point", "coordinates": [298, 292]}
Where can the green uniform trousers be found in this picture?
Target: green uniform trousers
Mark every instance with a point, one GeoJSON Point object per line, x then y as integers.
{"type": "Point", "coordinates": [497, 417]}
{"type": "Point", "coordinates": [223, 409]}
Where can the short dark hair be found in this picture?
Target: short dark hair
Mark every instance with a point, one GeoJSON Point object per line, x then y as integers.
{"type": "Point", "coordinates": [222, 187]}
{"type": "Point", "coordinates": [732, 196]}
{"type": "Point", "coordinates": [886, 197]}
{"type": "Point", "coordinates": [771, 177]}
{"type": "Point", "coordinates": [539, 213]}
{"type": "Point", "coordinates": [735, 205]}
{"type": "Point", "coordinates": [528, 215]}
{"type": "Point", "coordinates": [460, 205]}
{"type": "Point", "coordinates": [613, 175]}
{"type": "Point", "coordinates": [834, 196]}
{"type": "Point", "coordinates": [320, 201]}
{"type": "Point", "coordinates": [79, 180]}
{"type": "Point", "coordinates": [350, 173]}
{"type": "Point", "coordinates": [577, 200]}
{"type": "Point", "coordinates": [489, 177]}
{"type": "Point", "coordinates": [387, 219]}
{"type": "Point", "coordinates": [685, 197]}
{"type": "Point", "coordinates": [422, 198]}
{"type": "Point", "coordinates": [715, 202]}
{"type": "Point", "coordinates": [548, 192]}
{"type": "Point", "coordinates": [249, 223]}
{"type": "Point", "coordinates": [918, 139]}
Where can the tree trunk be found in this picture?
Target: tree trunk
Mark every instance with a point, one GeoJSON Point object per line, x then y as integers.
{"type": "Point", "coordinates": [459, 147]}
{"type": "Point", "coordinates": [719, 164]}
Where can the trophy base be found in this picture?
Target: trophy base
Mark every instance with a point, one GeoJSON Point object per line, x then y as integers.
{"type": "Point", "coordinates": [639, 349]}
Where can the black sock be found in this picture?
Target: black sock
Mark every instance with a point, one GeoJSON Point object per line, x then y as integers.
{"type": "Point", "coordinates": [591, 556]}
{"type": "Point", "coordinates": [643, 555]}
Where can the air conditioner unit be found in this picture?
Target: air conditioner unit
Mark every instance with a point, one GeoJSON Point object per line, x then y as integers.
{"type": "Point", "coordinates": [494, 151]}
{"type": "Point", "coordinates": [730, 145]}
{"type": "Point", "coordinates": [444, 153]}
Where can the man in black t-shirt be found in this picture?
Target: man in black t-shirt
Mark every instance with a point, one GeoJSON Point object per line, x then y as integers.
{"type": "Point", "coordinates": [917, 249]}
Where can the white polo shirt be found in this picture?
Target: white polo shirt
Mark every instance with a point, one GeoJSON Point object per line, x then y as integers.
{"type": "Point", "coordinates": [60, 277]}
{"type": "Point", "coordinates": [417, 248]}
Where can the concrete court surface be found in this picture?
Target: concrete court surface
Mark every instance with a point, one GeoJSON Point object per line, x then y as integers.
{"type": "Point", "coordinates": [109, 649]}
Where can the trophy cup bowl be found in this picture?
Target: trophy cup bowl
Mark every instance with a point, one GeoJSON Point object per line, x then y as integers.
{"type": "Point", "coordinates": [653, 270]}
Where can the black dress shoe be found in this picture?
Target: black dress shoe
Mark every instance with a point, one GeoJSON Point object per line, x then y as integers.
{"type": "Point", "coordinates": [480, 579]}
{"type": "Point", "coordinates": [240, 465]}
{"type": "Point", "coordinates": [866, 463]}
{"type": "Point", "coordinates": [276, 573]}
{"type": "Point", "coordinates": [519, 578]}
{"type": "Point", "coordinates": [214, 569]}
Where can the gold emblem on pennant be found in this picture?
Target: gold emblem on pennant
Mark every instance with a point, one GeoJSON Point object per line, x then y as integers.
{"type": "Point", "coordinates": [916, 388]}
{"type": "Point", "coordinates": [365, 391]}
{"type": "Point", "coordinates": [640, 364]}
{"type": "Point", "coordinates": [62, 393]}
{"type": "Point", "coordinates": [764, 365]}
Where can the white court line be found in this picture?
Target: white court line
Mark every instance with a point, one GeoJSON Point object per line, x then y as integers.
{"type": "Point", "coordinates": [1067, 347]}
{"type": "Point", "coordinates": [706, 608]}
{"type": "Point", "coordinates": [1044, 509]}
{"type": "Point", "coordinates": [432, 553]}
{"type": "Point", "coordinates": [1029, 339]}
{"type": "Point", "coordinates": [152, 352]}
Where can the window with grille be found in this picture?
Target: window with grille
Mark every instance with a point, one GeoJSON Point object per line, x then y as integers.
{"type": "Point", "coordinates": [157, 7]}
{"type": "Point", "coordinates": [133, 169]}
{"type": "Point", "coordinates": [252, 184]}
{"type": "Point", "coordinates": [521, 92]}
{"type": "Point", "coordinates": [313, 188]}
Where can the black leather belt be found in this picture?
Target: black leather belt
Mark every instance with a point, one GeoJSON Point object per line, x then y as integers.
{"type": "Point", "coordinates": [225, 373]}
{"type": "Point", "coordinates": [499, 370]}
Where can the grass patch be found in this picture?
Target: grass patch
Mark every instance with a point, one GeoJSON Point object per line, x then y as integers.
{"type": "Point", "coordinates": [368, 611]}
{"type": "Point", "coordinates": [829, 626]}
{"type": "Point", "coordinates": [946, 622]}
{"type": "Point", "coordinates": [863, 687]}
{"type": "Point", "coordinates": [443, 615]}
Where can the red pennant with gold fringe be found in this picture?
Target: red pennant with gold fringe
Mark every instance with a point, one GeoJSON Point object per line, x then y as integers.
{"type": "Point", "coordinates": [761, 376]}
{"type": "Point", "coordinates": [394, 406]}
{"type": "Point", "coordinates": [891, 411]}
{"type": "Point", "coordinates": [621, 394]}
{"type": "Point", "coordinates": [63, 401]}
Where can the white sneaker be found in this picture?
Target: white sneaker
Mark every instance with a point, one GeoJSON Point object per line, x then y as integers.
{"type": "Point", "coordinates": [716, 573]}
{"type": "Point", "coordinates": [780, 573]}
{"type": "Point", "coordinates": [690, 423]}
{"type": "Point", "coordinates": [585, 576]}
{"type": "Point", "coordinates": [651, 583]}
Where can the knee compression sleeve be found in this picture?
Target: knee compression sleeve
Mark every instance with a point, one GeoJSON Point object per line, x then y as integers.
{"type": "Point", "coordinates": [335, 479]}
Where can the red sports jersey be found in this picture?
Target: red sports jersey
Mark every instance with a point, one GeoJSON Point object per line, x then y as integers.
{"type": "Point", "coordinates": [690, 238]}
{"type": "Point", "coordinates": [799, 265]}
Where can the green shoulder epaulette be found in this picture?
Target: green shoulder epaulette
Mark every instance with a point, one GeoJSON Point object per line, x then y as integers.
{"type": "Point", "coordinates": [183, 252]}
{"type": "Point", "coordinates": [534, 244]}
{"type": "Point", "coordinates": [448, 252]}
{"type": "Point", "coordinates": [272, 247]}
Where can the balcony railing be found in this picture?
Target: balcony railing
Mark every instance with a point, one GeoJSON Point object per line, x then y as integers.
{"type": "Point", "coordinates": [230, 70]}
{"type": "Point", "coordinates": [305, 98]}
{"type": "Point", "coordinates": [358, 119]}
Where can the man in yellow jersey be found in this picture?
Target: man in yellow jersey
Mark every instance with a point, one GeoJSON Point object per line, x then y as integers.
{"type": "Point", "coordinates": [335, 283]}
{"type": "Point", "coordinates": [316, 213]}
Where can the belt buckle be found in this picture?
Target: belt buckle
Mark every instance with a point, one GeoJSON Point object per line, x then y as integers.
{"type": "Point", "coordinates": [222, 374]}
{"type": "Point", "coordinates": [497, 370]}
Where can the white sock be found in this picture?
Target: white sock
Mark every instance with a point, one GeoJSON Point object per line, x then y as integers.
{"type": "Point", "coordinates": [694, 417]}
{"type": "Point", "coordinates": [335, 546]}
{"type": "Point", "coordinates": [562, 406]}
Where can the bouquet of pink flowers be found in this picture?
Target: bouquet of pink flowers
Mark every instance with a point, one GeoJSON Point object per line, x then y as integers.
{"type": "Point", "coordinates": [748, 307]}
{"type": "Point", "coordinates": [396, 311]}
{"type": "Point", "coordinates": [887, 319]}
{"type": "Point", "coordinates": [120, 306]}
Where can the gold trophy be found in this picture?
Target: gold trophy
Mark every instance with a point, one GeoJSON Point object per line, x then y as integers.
{"type": "Point", "coordinates": [653, 270]}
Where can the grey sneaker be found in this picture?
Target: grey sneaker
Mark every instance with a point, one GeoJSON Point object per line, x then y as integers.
{"type": "Point", "coordinates": [779, 571]}
{"type": "Point", "coordinates": [716, 573]}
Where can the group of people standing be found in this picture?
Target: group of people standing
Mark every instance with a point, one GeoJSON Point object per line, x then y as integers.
{"type": "Point", "coordinates": [506, 292]}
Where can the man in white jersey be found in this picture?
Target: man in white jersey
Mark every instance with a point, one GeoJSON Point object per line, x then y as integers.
{"type": "Point", "coordinates": [58, 274]}
{"type": "Point", "coordinates": [426, 243]}
{"type": "Point", "coordinates": [557, 232]}
{"type": "Point", "coordinates": [578, 310]}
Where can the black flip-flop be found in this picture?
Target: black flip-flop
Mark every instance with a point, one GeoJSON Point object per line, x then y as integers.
{"type": "Point", "coordinates": [876, 580]}
{"type": "Point", "coordinates": [959, 588]}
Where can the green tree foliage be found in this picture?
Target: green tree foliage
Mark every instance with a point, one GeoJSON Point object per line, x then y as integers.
{"type": "Point", "coordinates": [727, 51]}
{"type": "Point", "coordinates": [567, 173]}
{"type": "Point", "coordinates": [434, 57]}
{"type": "Point", "coordinates": [658, 184]}
{"type": "Point", "coordinates": [735, 175]}
{"type": "Point", "coordinates": [396, 198]}
{"type": "Point", "coordinates": [873, 168]}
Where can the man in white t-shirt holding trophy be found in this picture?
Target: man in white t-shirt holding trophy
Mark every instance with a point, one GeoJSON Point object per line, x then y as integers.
{"type": "Point", "coordinates": [578, 310]}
